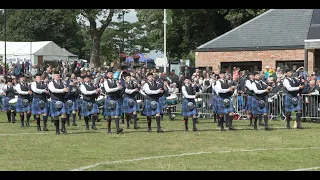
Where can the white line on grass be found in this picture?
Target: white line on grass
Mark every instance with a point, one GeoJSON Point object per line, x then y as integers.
{"type": "Point", "coordinates": [306, 169]}
{"type": "Point", "coordinates": [186, 154]}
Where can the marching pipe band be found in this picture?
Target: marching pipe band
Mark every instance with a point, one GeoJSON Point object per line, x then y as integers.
{"type": "Point", "coordinates": [115, 95]}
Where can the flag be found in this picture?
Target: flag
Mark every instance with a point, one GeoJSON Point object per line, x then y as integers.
{"type": "Point", "coordinates": [169, 17]}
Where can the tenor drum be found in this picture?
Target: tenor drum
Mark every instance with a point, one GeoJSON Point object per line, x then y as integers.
{"type": "Point", "coordinates": [13, 101]}
{"type": "Point", "coordinates": [139, 103]}
{"type": "Point", "coordinates": [199, 102]}
{"type": "Point", "coordinates": [100, 101]}
{"type": "Point", "coordinates": [172, 100]}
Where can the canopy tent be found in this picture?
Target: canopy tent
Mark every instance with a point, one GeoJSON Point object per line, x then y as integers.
{"type": "Point", "coordinates": [37, 52]}
{"type": "Point", "coordinates": [141, 59]}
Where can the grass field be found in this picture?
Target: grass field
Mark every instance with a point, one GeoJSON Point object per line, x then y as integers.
{"type": "Point", "coordinates": [174, 150]}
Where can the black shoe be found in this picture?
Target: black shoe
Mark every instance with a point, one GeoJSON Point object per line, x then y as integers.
{"type": "Point", "coordinates": [232, 129]}
{"type": "Point", "coordinates": [137, 119]}
{"type": "Point", "coordinates": [99, 119]}
{"type": "Point", "coordinates": [222, 128]}
{"type": "Point", "coordinates": [288, 127]}
{"type": "Point", "coordinates": [27, 124]}
{"type": "Point", "coordinates": [119, 130]}
{"type": "Point", "coordinates": [261, 124]}
{"type": "Point", "coordinates": [39, 128]}
{"type": "Point", "coordinates": [267, 129]}
{"type": "Point", "coordinates": [64, 132]}
{"type": "Point", "coordinates": [109, 131]}
{"type": "Point", "coordinates": [74, 124]}
{"type": "Point", "coordinates": [45, 129]}
{"type": "Point", "coordinates": [195, 129]}
{"type": "Point", "coordinates": [250, 124]}
{"type": "Point", "coordinates": [87, 128]}
{"type": "Point", "coordinates": [136, 127]}
{"type": "Point", "coordinates": [61, 130]}
{"type": "Point", "coordinates": [14, 121]}
{"type": "Point", "coordinates": [149, 130]}
{"type": "Point", "coordinates": [68, 123]}
{"type": "Point", "coordinates": [93, 127]}
{"type": "Point", "coordinates": [227, 125]}
{"type": "Point", "coordinates": [255, 128]}
{"type": "Point", "coordinates": [57, 133]}
{"type": "Point", "coordinates": [160, 131]}
{"type": "Point", "coordinates": [300, 127]}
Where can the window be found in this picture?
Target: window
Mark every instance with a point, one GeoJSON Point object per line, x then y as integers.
{"type": "Point", "coordinates": [289, 64]}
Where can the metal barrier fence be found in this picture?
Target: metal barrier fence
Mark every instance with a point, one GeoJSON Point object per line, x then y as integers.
{"type": "Point", "coordinates": [310, 105]}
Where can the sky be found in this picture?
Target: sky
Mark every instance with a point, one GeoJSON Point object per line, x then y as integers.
{"type": "Point", "coordinates": [130, 17]}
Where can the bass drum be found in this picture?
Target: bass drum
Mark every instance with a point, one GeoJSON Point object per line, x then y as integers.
{"type": "Point", "coordinates": [13, 101]}
{"type": "Point", "coordinates": [139, 103]}
{"type": "Point", "coordinates": [172, 100]}
{"type": "Point", "coordinates": [199, 102]}
{"type": "Point", "coordinates": [100, 101]}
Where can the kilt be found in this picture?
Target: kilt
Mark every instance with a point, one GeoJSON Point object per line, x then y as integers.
{"type": "Point", "coordinates": [79, 101]}
{"type": "Point", "coordinates": [125, 105]}
{"type": "Point", "coordinates": [249, 103]}
{"type": "Point", "coordinates": [288, 105]}
{"type": "Point", "coordinates": [109, 112]}
{"type": "Point", "coordinates": [185, 109]}
{"type": "Point", "coordinates": [214, 103]}
{"type": "Point", "coordinates": [148, 111]}
{"type": "Point", "coordinates": [84, 109]}
{"type": "Point", "coordinates": [20, 107]}
{"type": "Point", "coordinates": [54, 112]}
{"type": "Point", "coordinates": [74, 106]}
{"type": "Point", "coordinates": [221, 108]}
{"type": "Point", "coordinates": [256, 110]}
{"type": "Point", "coordinates": [35, 109]}
{"type": "Point", "coordinates": [5, 104]}
{"type": "Point", "coordinates": [163, 102]}
{"type": "Point", "coordinates": [120, 105]}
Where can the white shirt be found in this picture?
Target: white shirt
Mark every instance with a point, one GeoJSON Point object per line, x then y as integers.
{"type": "Point", "coordinates": [53, 89]}
{"type": "Point", "coordinates": [185, 93]}
{"type": "Point", "coordinates": [106, 86]}
{"type": "Point", "coordinates": [84, 90]}
{"type": "Point", "coordinates": [255, 89]}
{"type": "Point", "coordinates": [35, 89]}
{"type": "Point", "coordinates": [147, 90]}
{"type": "Point", "coordinates": [249, 84]}
{"type": "Point", "coordinates": [19, 91]}
{"type": "Point", "coordinates": [287, 85]}
{"type": "Point", "coordinates": [219, 89]}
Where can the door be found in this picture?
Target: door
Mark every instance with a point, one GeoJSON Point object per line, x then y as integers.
{"type": "Point", "coordinates": [40, 60]}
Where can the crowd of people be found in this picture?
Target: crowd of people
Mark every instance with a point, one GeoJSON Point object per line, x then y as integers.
{"type": "Point", "coordinates": [66, 91]}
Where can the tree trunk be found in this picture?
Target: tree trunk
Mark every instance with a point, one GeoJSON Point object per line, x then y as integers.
{"type": "Point", "coordinates": [95, 52]}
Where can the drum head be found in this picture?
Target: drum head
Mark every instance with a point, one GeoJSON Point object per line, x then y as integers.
{"type": "Point", "coordinates": [112, 104]}
{"type": "Point", "coordinates": [41, 104]}
{"type": "Point", "coordinates": [190, 106]}
{"type": "Point", "coordinates": [90, 106]}
{"type": "Point", "coordinates": [262, 104]}
{"type": "Point", "coordinates": [25, 102]}
{"type": "Point", "coordinates": [69, 103]}
{"type": "Point", "coordinates": [294, 101]}
{"type": "Point", "coordinates": [154, 105]}
{"type": "Point", "coordinates": [131, 103]}
{"type": "Point", "coordinates": [58, 105]}
{"type": "Point", "coordinates": [226, 102]}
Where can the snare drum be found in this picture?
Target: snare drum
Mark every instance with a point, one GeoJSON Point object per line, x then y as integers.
{"type": "Point", "coordinates": [139, 103]}
{"type": "Point", "coordinates": [100, 101]}
{"type": "Point", "coordinates": [13, 101]}
{"type": "Point", "coordinates": [198, 102]}
{"type": "Point", "coordinates": [172, 100]}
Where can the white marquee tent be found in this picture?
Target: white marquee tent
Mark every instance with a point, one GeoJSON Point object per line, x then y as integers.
{"type": "Point", "coordinates": [38, 52]}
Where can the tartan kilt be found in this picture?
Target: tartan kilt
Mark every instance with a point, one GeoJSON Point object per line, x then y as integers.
{"type": "Point", "coordinates": [288, 105]}
{"type": "Point", "coordinates": [74, 106]}
{"type": "Point", "coordinates": [84, 109]}
{"type": "Point", "coordinates": [221, 108]}
{"type": "Point", "coordinates": [185, 110]}
{"type": "Point", "coordinates": [120, 105]}
{"type": "Point", "coordinates": [163, 102]}
{"type": "Point", "coordinates": [35, 109]}
{"type": "Point", "coordinates": [20, 107]}
{"type": "Point", "coordinates": [256, 110]}
{"type": "Point", "coordinates": [54, 112]}
{"type": "Point", "coordinates": [79, 101]}
{"type": "Point", "coordinates": [109, 112]}
{"type": "Point", "coordinates": [5, 104]}
{"type": "Point", "coordinates": [148, 111]}
{"type": "Point", "coordinates": [125, 105]}
{"type": "Point", "coordinates": [248, 105]}
{"type": "Point", "coordinates": [214, 103]}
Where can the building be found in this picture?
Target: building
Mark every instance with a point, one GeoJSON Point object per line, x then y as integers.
{"type": "Point", "coordinates": [277, 38]}
{"type": "Point", "coordinates": [38, 52]}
